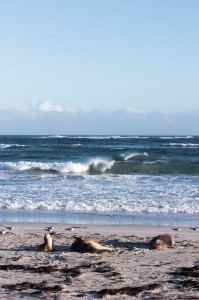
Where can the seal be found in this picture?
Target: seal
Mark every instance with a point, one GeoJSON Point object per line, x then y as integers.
{"type": "Point", "coordinates": [162, 241]}
{"type": "Point", "coordinates": [48, 244]}
{"type": "Point", "coordinates": [89, 244]}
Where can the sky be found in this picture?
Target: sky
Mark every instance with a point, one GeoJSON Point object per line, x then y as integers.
{"type": "Point", "coordinates": [99, 67]}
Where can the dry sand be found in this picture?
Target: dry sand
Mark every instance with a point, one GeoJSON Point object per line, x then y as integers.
{"type": "Point", "coordinates": [132, 272]}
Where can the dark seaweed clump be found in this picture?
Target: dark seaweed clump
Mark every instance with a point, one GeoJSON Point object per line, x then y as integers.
{"type": "Point", "coordinates": [41, 286]}
{"type": "Point", "coordinates": [128, 290]}
{"type": "Point", "coordinates": [188, 271]}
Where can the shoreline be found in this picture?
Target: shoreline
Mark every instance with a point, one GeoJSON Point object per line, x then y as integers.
{"type": "Point", "coordinates": [139, 219]}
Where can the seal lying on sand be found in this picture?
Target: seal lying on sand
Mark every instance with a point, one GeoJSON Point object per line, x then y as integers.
{"type": "Point", "coordinates": [48, 244]}
{"type": "Point", "coordinates": [89, 244]}
{"type": "Point", "coordinates": [162, 241]}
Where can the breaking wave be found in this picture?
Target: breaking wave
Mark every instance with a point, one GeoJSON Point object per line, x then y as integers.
{"type": "Point", "coordinates": [136, 163]}
{"type": "Point", "coordinates": [94, 166]}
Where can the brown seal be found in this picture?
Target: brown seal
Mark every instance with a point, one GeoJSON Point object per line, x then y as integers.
{"type": "Point", "coordinates": [48, 244]}
{"type": "Point", "coordinates": [162, 241]}
{"type": "Point", "coordinates": [89, 244]}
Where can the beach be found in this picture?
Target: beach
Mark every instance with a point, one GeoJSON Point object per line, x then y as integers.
{"type": "Point", "coordinates": [132, 270]}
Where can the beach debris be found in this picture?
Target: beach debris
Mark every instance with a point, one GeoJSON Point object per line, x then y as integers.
{"type": "Point", "coordinates": [41, 286]}
{"type": "Point", "coordinates": [128, 290]}
{"type": "Point", "coordinates": [12, 267]}
{"type": "Point", "coordinates": [45, 269]}
{"type": "Point", "coordinates": [26, 285]}
{"type": "Point", "coordinates": [188, 271]}
{"type": "Point", "coordinates": [190, 283]}
{"type": "Point", "coordinates": [106, 268]}
{"type": "Point", "coordinates": [161, 242]}
{"type": "Point", "coordinates": [17, 258]}
{"type": "Point", "coordinates": [40, 269]}
{"type": "Point", "coordinates": [89, 244]}
{"type": "Point", "coordinates": [81, 295]}
{"type": "Point", "coordinates": [68, 279]}
{"type": "Point", "coordinates": [92, 265]}
{"type": "Point", "coordinates": [48, 244]}
{"type": "Point", "coordinates": [72, 272]}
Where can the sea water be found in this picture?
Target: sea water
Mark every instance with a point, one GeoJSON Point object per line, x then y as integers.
{"type": "Point", "coordinates": [100, 179]}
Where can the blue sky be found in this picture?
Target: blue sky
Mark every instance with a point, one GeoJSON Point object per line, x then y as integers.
{"type": "Point", "coordinates": [134, 59]}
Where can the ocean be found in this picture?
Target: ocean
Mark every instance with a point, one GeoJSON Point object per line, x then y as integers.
{"type": "Point", "coordinates": [100, 179]}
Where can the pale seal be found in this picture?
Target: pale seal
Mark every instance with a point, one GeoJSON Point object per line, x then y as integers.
{"type": "Point", "coordinates": [162, 241]}
{"type": "Point", "coordinates": [48, 244]}
{"type": "Point", "coordinates": [89, 244]}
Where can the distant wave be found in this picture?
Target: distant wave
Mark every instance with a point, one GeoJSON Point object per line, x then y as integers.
{"type": "Point", "coordinates": [4, 146]}
{"type": "Point", "coordinates": [188, 145]}
{"type": "Point", "coordinates": [52, 137]}
{"type": "Point", "coordinates": [57, 136]}
{"type": "Point", "coordinates": [176, 137]}
{"type": "Point", "coordinates": [109, 137]}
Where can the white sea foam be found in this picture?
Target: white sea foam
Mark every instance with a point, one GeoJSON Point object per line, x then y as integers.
{"type": "Point", "coordinates": [122, 195]}
{"type": "Point", "coordinates": [68, 167]}
{"type": "Point", "coordinates": [57, 136]}
{"type": "Point", "coordinates": [4, 146]}
{"type": "Point", "coordinates": [76, 145]}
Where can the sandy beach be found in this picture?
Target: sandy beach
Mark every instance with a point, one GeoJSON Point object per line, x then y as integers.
{"type": "Point", "coordinates": [131, 271]}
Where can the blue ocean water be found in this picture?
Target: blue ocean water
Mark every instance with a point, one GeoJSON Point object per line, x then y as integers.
{"type": "Point", "coordinates": [100, 179]}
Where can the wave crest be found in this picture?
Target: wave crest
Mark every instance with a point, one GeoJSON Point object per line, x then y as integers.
{"type": "Point", "coordinates": [94, 166]}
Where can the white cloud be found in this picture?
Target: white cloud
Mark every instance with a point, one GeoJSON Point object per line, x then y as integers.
{"type": "Point", "coordinates": [47, 106]}
{"type": "Point", "coordinates": [132, 110]}
{"type": "Point", "coordinates": [68, 109]}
